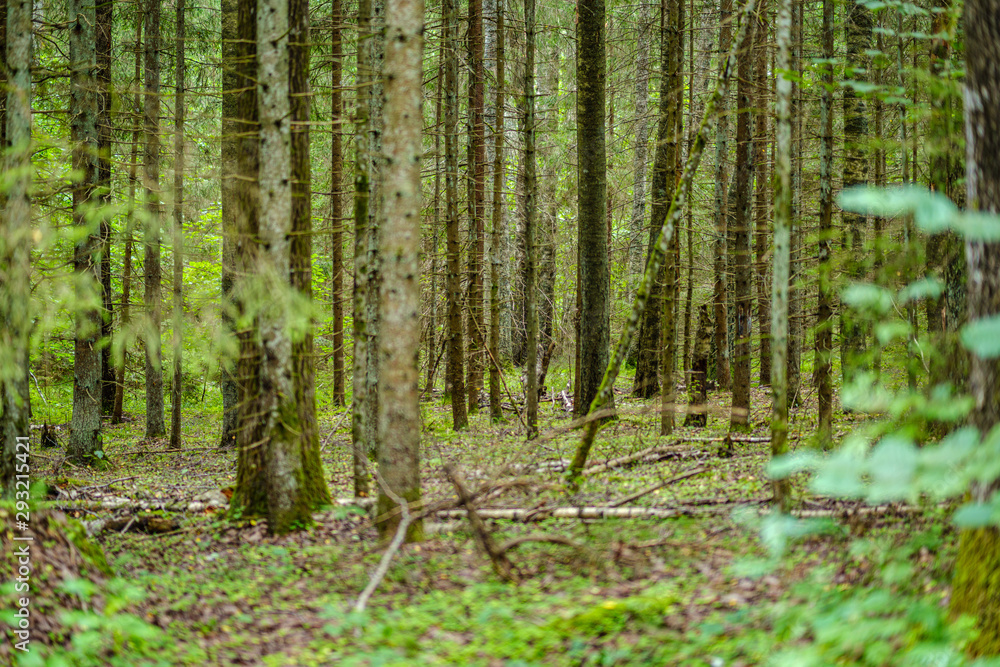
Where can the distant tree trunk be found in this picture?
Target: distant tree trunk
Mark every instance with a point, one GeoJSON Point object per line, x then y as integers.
{"type": "Point", "coordinates": [15, 228]}
{"type": "Point", "coordinates": [976, 587]}
{"type": "Point", "coordinates": [456, 347]}
{"type": "Point", "coordinates": [496, 410]}
{"type": "Point", "coordinates": [795, 327]}
{"type": "Point", "coordinates": [361, 418]}
{"type": "Point", "coordinates": [477, 209]}
{"type": "Point", "coordinates": [638, 221]}
{"type": "Point", "coordinates": [300, 267]}
{"type": "Point", "coordinates": [858, 30]}
{"type": "Point", "coordinates": [232, 84]}
{"type": "Point", "coordinates": [432, 325]}
{"type": "Point", "coordinates": [595, 289]}
{"type": "Point", "coordinates": [824, 312]}
{"type": "Point", "coordinates": [85, 434]}
{"type": "Point", "coordinates": [761, 219]}
{"type": "Point", "coordinates": [719, 251]}
{"type": "Point", "coordinates": [530, 218]}
{"type": "Point", "coordinates": [743, 298]}
{"type": "Point", "coordinates": [178, 241]}
{"type": "Point", "coordinates": [104, 18]}
{"type": "Point", "coordinates": [689, 283]}
{"type": "Point", "coordinates": [782, 237]}
{"type": "Point", "coordinates": [155, 427]}
{"type": "Point", "coordinates": [336, 198]}
{"type": "Point", "coordinates": [116, 415]}
{"type": "Point", "coordinates": [250, 496]}
{"type": "Point", "coordinates": [665, 178]}
{"type": "Point", "coordinates": [698, 386]}
{"type": "Point", "coordinates": [399, 345]}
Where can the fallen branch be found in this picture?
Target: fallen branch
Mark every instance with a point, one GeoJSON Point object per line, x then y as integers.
{"type": "Point", "coordinates": [644, 492]}
{"type": "Point", "coordinates": [529, 514]}
{"type": "Point", "coordinates": [397, 541]}
{"type": "Point", "coordinates": [648, 455]}
{"type": "Point", "coordinates": [501, 564]}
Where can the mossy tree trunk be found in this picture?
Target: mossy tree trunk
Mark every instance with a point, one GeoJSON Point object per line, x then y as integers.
{"type": "Point", "coordinates": [336, 198]}
{"type": "Point", "coordinates": [15, 244]}
{"type": "Point", "coordinates": [976, 588]}
{"type": "Point", "coordinates": [104, 17]}
{"type": "Point", "coordinates": [85, 434]}
{"type": "Point", "coordinates": [824, 311]}
{"type": "Point", "coordinates": [592, 238]}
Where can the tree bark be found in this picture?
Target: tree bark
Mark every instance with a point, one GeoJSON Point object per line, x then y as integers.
{"type": "Point", "coordinates": [592, 241]}
{"type": "Point", "coordinates": [719, 250]}
{"type": "Point", "coordinates": [155, 427]}
{"type": "Point", "coordinates": [782, 238]}
{"type": "Point", "coordinates": [976, 588]}
{"type": "Point", "coordinates": [336, 198]}
{"type": "Point", "coordinates": [496, 410]}
{"type": "Point", "coordinates": [456, 347]}
{"type": "Point", "coordinates": [104, 17]}
{"type": "Point", "coordinates": [15, 228]}
{"type": "Point", "coordinates": [178, 239]}
{"type": "Point", "coordinates": [762, 250]}
{"type": "Point", "coordinates": [232, 84]}
{"type": "Point", "coordinates": [399, 345]}
{"type": "Point", "coordinates": [638, 219]}
{"type": "Point", "coordinates": [824, 311]}
{"type": "Point", "coordinates": [85, 434]}
{"type": "Point", "coordinates": [477, 210]}
{"type": "Point", "coordinates": [530, 218]}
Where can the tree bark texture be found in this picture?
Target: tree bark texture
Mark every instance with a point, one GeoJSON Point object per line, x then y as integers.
{"type": "Point", "coordinates": [530, 219]}
{"type": "Point", "coordinates": [178, 232]}
{"type": "Point", "coordinates": [477, 209]}
{"type": "Point", "coordinates": [85, 434]}
{"type": "Point", "coordinates": [762, 249]}
{"type": "Point", "coordinates": [399, 345]}
{"type": "Point", "coordinates": [496, 410]}
{"type": "Point", "coordinates": [336, 198]}
{"type": "Point", "coordinates": [719, 250]}
{"type": "Point", "coordinates": [104, 17]}
{"type": "Point", "coordinates": [592, 241]}
{"type": "Point", "coordinates": [824, 310]}
{"type": "Point", "coordinates": [232, 87]}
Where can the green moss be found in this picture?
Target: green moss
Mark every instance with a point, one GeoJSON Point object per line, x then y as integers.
{"type": "Point", "coordinates": [976, 587]}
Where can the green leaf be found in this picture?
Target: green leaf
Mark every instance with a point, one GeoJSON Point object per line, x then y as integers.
{"type": "Point", "coordinates": [887, 332]}
{"type": "Point", "coordinates": [868, 297]}
{"type": "Point", "coordinates": [982, 337]}
{"type": "Point", "coordinates": [929, 287]}
{"type": "Point", "coordinates": [978, 227]}
{"type": "Point", "coordinates": [976, 515]}
{"type": "Point", "coordinates": [933, 213]}
{"type": "Point", "coordinates": [892, 465]}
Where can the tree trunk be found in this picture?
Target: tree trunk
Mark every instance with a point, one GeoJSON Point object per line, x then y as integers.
{"type": "Point", "coordinates": [178, 240]}
{"type": "Point", "coordinates": [665, 178]}
{"type": "Point", "coordinates": [719, 251]}
{"type": "Point", "coordinates": [782, 237]}
{"type": "Point", "coordinates": [698, 385]}
{"type": "Point", "coordinates": [530, 218]}
{"type": "Point", "coordinates": [858, 30]}
{"type": "Point", "coordinates": [496, 410]}
{"type": "Point", "coordinates": [743, 299]}
{"type": "Point", "coordinates": [85, 434]}
{"type": "Point", "coordinates": [104, 18]}
{"type": "Point", "coordinates": [361, 418]}
{"type": "Point", "coordinates": [432, 325]}
{"type": "Point", "coordinates": [15, 227]}
{"type": "Point", "coordinates": [336, 198]}
{"type": "Point", "coordinates": [976, 587]}
{"type": "Point", "coordinates": [595, 292]}
{"type": "Point", "coordinates": [456, 347]}
{"type": "Point", "coordinates": [824, 311]}
{"type": "Point", "coordinates": [477, 210]}
{"type": "Point", "coordinates": [116, 415]}
{"type": "Point", "coordinates": [795, 327]}
{"type": "Point", "coordinates": [399, 345]}
{"type": "Point", "coordinates": [232, 84]}
{"type": "Point", "coordinates": [762, 250]}
{"type": "Point", "coordinates": [155, 427]}
{"type": "Point", "coordinates": [635, 254]}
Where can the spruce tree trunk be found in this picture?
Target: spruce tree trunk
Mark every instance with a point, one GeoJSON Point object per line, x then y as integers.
{"type": "Point", "coordinates": [15, 228]}
{"type": "Point", "coordinates": [858, 30]}
{"type": "Point", "coordinates": [795, 327]}
{"type": "Point", "coordinates": [638, 219]}
{"type": "Point", "coordinates": [592, 240]}
{"type": "Point", "coordinates": [250, 497]}
{"type": "Point", "coordinates": [762, 249]}
{"type": "Point", "coordinates": [719, 250]}
{"type": "Point", "coordinates": [155, 427]}
{"type": "Point", "coordinates": [104, 18]}
{"type": "Point", "coordinates": [665, 175]}
{"type": "Point", "coordinates": [976, 587]}
{"type": "Point", "coordinates": [133, 170]}
{"type": "Point", "coordinates": [301, 249]}
{"type": "Point", "coordinates": [496, 410]}
{"type": "Point", "coordinates": [456, 347]}
{"type": "Point", "coordinates": [432, 325]}
{"type": "Point", "coordinates": [697, 414]}
{"type": "Point", "coordinates": [530, 218]}
{"type": "Point", "coordinates": [232, 84]}
{"type": "Point", "coordinates": [360, 417]}
{"type": "Point", "coordinates": [824, 311]}
{"type": "Point", "coordinates": [399, 345]}
{"type": "Point", "coordinates": [85, 434]}
{"type": "Point", "coordinates": [336, 199]}
{"type": "Point", "coordinates": [178, 230]}
{"type": "Point", "coordinates": [782, 240]}
{"type": "Point", "coordinates": [477, 210]}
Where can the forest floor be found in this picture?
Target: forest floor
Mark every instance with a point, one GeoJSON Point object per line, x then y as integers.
{"type": "Point", "coordinates": [693, 586]}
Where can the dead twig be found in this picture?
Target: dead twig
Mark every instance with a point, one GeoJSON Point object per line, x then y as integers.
{"type": "Point", "coordinates": [501, 564]}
